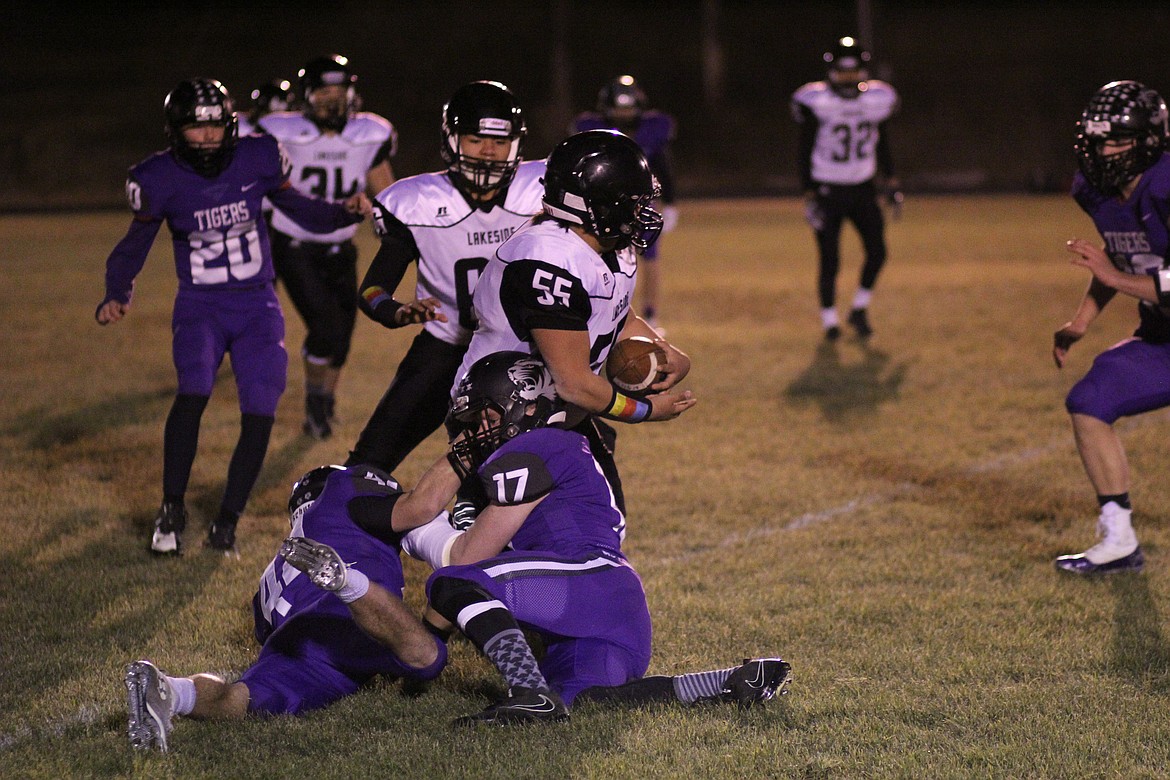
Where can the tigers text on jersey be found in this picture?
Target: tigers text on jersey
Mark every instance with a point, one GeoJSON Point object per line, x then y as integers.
{"type": "Point", "coordinates": [329, 165]}
{"type": "Point", "coordinates": [546, 276]}
{"type": "Point", "coordinates": [455, 240]}
{"type": "Point", "coordinates": [847, 129]}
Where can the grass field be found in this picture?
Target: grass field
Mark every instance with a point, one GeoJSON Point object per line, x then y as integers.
{"type": "Point", "coordinates": [885, 517]}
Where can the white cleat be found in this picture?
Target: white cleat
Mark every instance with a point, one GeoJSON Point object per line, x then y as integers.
{"type": "Point", "coordinates": [152, 705]}
{"type": "Point", "coordinates": [320, 561]}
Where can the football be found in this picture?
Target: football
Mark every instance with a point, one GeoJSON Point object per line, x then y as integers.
{"type": "Point", "coordinates": [634, 364]}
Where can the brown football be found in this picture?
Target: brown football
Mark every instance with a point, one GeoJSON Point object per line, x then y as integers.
{"type": "Point", "coordinates": [634, 364]}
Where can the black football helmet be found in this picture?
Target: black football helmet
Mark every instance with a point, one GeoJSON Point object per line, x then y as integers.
{"type": "Point", "coordinates": [275, 95]}
{"type": "Point", "coordinates": [848, 63]}
{"type": "Point", "coordinates": [485, 108]}
{"type": "Point", "coordinates": [622, 101]}
{"type": "Point", "coordinates": [600, 179]}
{"type": "Point", "coordinates": [507, 383]}
{"type": "Point", "coordinates": [328, 71]}
{"type": "Point", "coordinates": [1121, 111]}
{"type": "Point", "coordinates": [306, 490]}
{"type": "Point", "coordinates": [201, 102]}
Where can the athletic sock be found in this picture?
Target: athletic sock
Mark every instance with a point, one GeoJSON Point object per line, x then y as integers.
{"type": "Point", "coordinates": [697, 686]}
{"type": "Point", "coordinates": [1121, 499]}
{"type": "Point", "coordinates": [183, 689]}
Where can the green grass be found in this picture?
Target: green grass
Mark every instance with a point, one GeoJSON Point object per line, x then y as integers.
{"type": "Point", "coordinates": [884, 517]}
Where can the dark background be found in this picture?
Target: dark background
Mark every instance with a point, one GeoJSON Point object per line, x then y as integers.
{"type": "Point", "coordinates": [990, 91]}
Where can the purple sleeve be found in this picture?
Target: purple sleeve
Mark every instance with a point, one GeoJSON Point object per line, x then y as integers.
{"type": "Point", "coordinates": [127, 259]}
{"type": "Point", "coordinates": [313, 214]}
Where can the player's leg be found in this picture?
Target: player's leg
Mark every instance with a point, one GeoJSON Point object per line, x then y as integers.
{"type": "Point", "coordinates": [867, 216]}
{"type": "Point", "coordinates": [413, 406]}
{"type": "Point", "coordinates": [339, 274]}
{"type": "Point", "coordinates": [754, 681]}
{"type": "Point", "coordinates": [828, 238]}
{"type": "Point", "coordinates": [260, 364]}
{"type": "Point", "coordinates": [156, 699]}
{"type": "Point", "coordinates": [1129, 379]}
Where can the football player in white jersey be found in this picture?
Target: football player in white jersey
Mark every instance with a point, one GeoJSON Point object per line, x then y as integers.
{"type": "Point", "coordinates": [449, 222]}
{"type": "Point", "coordinates": [269, 97]}
{"type": "Point", "coordinates": [844, 146]}
{"type": "Point", "coordinates": [335, 151]}
{"type": "Point", "coordinates": [561, 287]}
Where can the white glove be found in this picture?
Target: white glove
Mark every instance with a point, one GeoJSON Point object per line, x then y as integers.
{"type": "Point", "coordinates": [669, 218]}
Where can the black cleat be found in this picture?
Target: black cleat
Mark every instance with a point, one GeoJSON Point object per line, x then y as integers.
{"type": "Point", "coordinates": [832, 333]}
{"type": "Point", "coordinates": [168, 529]}
{"type": "Point", "coordinates": [222, 536]}
{"type": "Point", "coordinates": [317, 417]}
{"type": "Point", "coordinates": [521, 705]}
{"type": "Point", "coordinates": [757, 681]}
{"type": "Point", "coordinates": [1079, 564]}
{"type": "Point", "coordinates": [860, 322]}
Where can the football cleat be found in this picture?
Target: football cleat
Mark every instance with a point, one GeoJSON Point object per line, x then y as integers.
{"type": "Point", "coordinates": [860, 322]}
{"type": "Point", "coordinates": [521, 705]}
{"type": "Point", "coordinates": [222, 536]}
{"type": "Point", "coordinates": [168, 529]}
{"type": "Point", "coordinates": [1080, 564]}
{"type": "Point", "coordinates": [321, 562]}
{"type": "Point", "coordinates": [317, 422]}
{"type": "Point", "coordinates": [151, 706]}
{"type": "Point", "coordinates": [832, 333]}
{"type": "Point", "coordinates": [756, 681]}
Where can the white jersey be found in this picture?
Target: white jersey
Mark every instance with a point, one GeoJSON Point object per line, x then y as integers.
{"type": "Point", "coordinates": [454, 239]}
{"type": "Point", "coordinates": [329, 165]}
{"type": "Point", "coordinates": [546, 276]}
{"type": "Point", "coordinates": [847, 131]}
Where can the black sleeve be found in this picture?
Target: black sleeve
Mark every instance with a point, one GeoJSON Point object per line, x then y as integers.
{"type": "Point", "coordinates": [385, 151]}
{"type": "Point", "coordinates": [397, 252]}
{"type": "Point", "coordinates": [809, 124]}
{"type": "Point", "coordinates": [885, 160]}
{"type": "Point", "coordinates": [373, 514]}
{"type": "Point", "coordinates": [534, 294]}
{"type": "Point", "coordinates": [516, 478]}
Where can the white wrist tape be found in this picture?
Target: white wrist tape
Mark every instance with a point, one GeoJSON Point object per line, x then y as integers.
{"type": "Point", "coordinates": [432, 543]}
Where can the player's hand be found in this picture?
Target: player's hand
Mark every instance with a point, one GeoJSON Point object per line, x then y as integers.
{"type": "Point", "coordinates": [669, 218]}
{"type": "Point", "coordinates": [1063, 339]}
{"type": "Point", "coordinates": [674, 370]}
{"type": "Point", "coordinates": [111, 311]}
{"type": "Point", "coordinates": [894, 198]}
{"type": "Point", "coordinates": [359, 204]}
{"type": "Point", "coordinates": [417, 311]}
{"type": "Point", "coordinates": [1091, 256]}
{"type": "Point", "coordinates": [668, 405]}
{"type": "Point", "coordinates": [814, 215]}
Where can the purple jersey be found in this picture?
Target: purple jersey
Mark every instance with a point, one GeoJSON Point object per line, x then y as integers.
{"type": "Point", "coordinates": [654, 132]}
{"type": "Point", "coordinates": [579, 514]}
{"type": "Point", "coordinates": [286, 594]}
{"type": "Point", "coordinates": [1135, 233]}
{"type": "Point", "coordinates": [220, 238]}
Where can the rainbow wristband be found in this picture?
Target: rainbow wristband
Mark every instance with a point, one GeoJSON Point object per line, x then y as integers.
{"type": "Point", "coordinates": [374, 296]}
{"type": "Point", "coordinates": [625, 409]}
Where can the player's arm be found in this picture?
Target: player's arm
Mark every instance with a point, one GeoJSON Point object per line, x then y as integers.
{"type": "Point", "coordinates": [1092, 256]}
{"type": "Point", "coordinates": [1094, 301]}
{"type": "Point", "coordinates": [434, 491]}
{"type": "Point", "coordinates": [128, 257]}
{"type": "Point", "coordinates": [395, 254]}
{"type": "Point", "coordinates": [314, 214]}
{"type": "Point", "coordinates": [806, 140]}
{"type": "Point", "coordinates": [381, 173]}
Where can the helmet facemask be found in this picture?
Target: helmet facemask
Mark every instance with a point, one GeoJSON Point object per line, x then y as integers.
{"type": "Point", "coordinates": [486, 109]}
{"type": "Point", "coordinates": [201, 102]}
{"type": "Point", "coordinates": [1120, 111]}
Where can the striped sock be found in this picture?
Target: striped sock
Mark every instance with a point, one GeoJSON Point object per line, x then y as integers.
{"type": "Point", "coordinates": [697, 686]}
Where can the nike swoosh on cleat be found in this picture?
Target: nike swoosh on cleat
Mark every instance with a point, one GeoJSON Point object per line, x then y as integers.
{"type": "Point", "coordinates": [759, 681]}
{"type": "Point", "coordinates": [547, 705]}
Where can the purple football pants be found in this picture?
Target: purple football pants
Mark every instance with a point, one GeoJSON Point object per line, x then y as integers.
{"type": "Point", "coordinates": [206, 325]}
{"type": "Point", "coordinates": [1127, 379]}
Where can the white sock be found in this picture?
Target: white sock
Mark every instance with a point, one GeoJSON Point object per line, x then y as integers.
{"type": "Point", "coordinates": [356, 585]}
{"type": "Point", "coordinates": [183, 689]}
{"type": "Point", "coordinates": [861, 298]}
{"type": "Point", "coordinates": [829, 318]}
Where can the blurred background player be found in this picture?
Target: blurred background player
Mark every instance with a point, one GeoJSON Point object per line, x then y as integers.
{"type": "Point", "coordinates": [562, 287]}
{"type": "Point", "coordinates": [844, 145]}
{"type": "Point", "coordinates": [335, 151]}
{"type": "Point", "coordinates": [622, 105]}
{"type": "Point", "coordinates": [208, 186]}
{"type": "Point", "coordinates": [272, 96]}
{"type": "Point", "coordinates": [318, 646]}
{"type": "Point", "coordinates": [449, 222]}
{"type": "Point", "coordinates": [1124, 185]}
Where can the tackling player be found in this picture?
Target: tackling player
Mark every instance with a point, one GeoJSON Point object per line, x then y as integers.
{"type": "Point", "coordinates": [844, 145]}
{"type": "Point", "coordinates": [335, 151]}
{"type": "Point", "coordinates": [562, 286]}
{"type": "Point", "coordinates": [1124, 185]}
{"type": "Point", "coordinates": [622, 105]}
{"type": "Point", "coordinates": [449, 222]}
{"type": "Point", "coordinates": [208, 187]}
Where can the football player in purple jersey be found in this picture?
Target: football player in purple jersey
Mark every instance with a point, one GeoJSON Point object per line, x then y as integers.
{"type": "Point", "coordinates": [564, 577]}
{"type": "Point", "coordinates": [208, 187]}
{"type": "Point", "coordinates": [844, 148]}
{"type": "Point", "coordinates": [449, 222]}
{"type": "Point", "coordinates": [335, 151]}
{"type": "Point", "coordinates": [1124, 185]}
{"type": "Point", "coordinates": [325, 635]}
{"type": "Point", "coordinates": [622, 105]}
